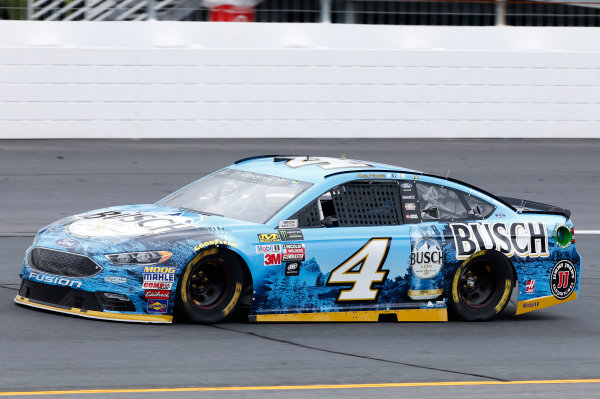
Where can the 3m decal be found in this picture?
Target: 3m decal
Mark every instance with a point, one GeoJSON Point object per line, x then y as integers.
{"type": "Point", "coordinates": [273, 259]}
{"type": "Point", "coordinates": [67, 242]}
{"type": "Point", "coordinates": [326, 163]}
{"type": "Point", "coordinates": [362, 270]}
{"type": "Point", "coordinates": [426, 258]}
{"type": "Point", "coordinates": [157, 294]}
{"type": "Point", "coordinates": [291, 235]}
{"type": "Point", "coordinates": [530, 287]}
{"type": "Point", "coordinates": [157, 306]}
{"type": "Point", "coordinates": [292, 269]}
{"type": "Point", "coordinates": [151, 285]}
{"type": "Point", "coordinates": [522, 239]}
{"type": "Point", "coordinates": [288, 224]}
{"type": "Point", "coordinates": [410, 206]}
{"type": "Point", "coordinates": [268, 248]}
{"type": "Point", "coordinates": [44, 278]}
{"type": "Point", "coordinates": [123, 224]}
{"type": "Point", "coordinates": [563, 278]}
{"type": "Point", "coordinates": [269, 237]}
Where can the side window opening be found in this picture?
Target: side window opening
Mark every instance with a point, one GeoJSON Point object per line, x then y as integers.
{"type": "Point", "coordinates": [354, 204]}
{"type": "Point", "coordinates": [442, 203]}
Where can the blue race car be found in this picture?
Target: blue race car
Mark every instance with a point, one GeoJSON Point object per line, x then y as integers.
{"type": "Point", "coordinates": [300, 238]}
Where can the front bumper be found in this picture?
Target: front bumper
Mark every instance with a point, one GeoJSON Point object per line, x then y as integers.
{"type": "Point", "coordinates": [82, 303]}
{"type": "Point", "coordinates": [92, 314]}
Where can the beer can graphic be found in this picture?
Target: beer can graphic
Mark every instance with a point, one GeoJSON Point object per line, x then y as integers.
{"type": "Point", "coordinates": [426, 261]}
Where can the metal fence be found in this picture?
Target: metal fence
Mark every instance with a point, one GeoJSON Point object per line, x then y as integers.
{"type": "Point", "coordinates": [378, 12]}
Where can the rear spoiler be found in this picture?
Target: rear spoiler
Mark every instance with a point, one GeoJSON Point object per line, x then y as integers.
{"type": "Point", "coordinates": [525, 206]}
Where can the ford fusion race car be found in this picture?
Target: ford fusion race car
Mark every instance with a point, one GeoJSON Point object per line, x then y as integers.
{"type": "Point", "coordinates": [293, 238]}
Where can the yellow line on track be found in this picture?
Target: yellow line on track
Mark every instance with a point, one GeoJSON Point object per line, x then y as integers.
{"type": "Point", "coordinates": [299, 387]}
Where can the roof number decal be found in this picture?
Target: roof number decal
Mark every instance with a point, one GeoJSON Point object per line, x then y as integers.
{"type": "Point", "coordinates": [326, 163]}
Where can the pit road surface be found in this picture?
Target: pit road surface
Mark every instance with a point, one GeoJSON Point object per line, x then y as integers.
{"type": "Point", "coordinates": [42, 181]}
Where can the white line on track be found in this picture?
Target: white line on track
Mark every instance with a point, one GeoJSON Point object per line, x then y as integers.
{"type": "Point", "coordinates": [590, 232]}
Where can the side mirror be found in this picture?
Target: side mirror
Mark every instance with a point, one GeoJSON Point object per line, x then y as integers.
{"type": "Point", "coordinates": [329, 221]}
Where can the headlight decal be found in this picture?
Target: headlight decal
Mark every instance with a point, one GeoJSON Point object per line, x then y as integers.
{"type": "Point", "coordinates": [139, 258]}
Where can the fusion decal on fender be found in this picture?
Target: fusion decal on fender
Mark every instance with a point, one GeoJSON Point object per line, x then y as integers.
{"type": "Point", "coordinates": [522, 239]}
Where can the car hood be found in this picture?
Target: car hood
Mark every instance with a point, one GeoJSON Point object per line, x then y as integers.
{"type": "Point", "coordinates": [136, 221]}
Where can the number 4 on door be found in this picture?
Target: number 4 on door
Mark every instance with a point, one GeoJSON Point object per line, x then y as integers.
{"type": "Point", "coordinates": [367, 261]}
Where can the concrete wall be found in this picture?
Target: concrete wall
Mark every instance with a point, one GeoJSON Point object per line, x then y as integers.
{"type": "Point", "coordinates": [176, 79]}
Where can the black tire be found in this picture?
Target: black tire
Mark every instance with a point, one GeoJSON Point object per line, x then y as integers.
{"type": "Point", "coordinates": [481, 287]}
{"type": "Point", "coordinates": [210, 287]}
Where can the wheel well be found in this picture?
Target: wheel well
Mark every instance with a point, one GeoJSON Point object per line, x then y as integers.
{"type": "Point", "coordinates": [509, 262]}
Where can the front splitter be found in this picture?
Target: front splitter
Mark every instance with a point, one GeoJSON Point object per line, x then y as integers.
{"type": "Point", "coordinates": [93, 314]}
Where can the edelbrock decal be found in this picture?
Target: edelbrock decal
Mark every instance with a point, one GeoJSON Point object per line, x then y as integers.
{"type": "Point", "coordinates": [523, 239]}
{"type": "Point", "coordinates": [127, 224]}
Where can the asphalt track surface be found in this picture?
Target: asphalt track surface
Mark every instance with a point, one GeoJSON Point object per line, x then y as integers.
{"type": "Point", "coordinates": [42, 181]}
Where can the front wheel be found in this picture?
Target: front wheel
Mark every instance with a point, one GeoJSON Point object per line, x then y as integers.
{"type": "Point", "coordinates": [210, 287]}
{"type": "Point", "coordinates": [481, 287]}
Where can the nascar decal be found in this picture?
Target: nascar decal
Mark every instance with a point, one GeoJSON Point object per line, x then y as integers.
{"type": "Point", "coordinates": [522, 239]}
{"type": "Point", "coordinates": [288, 224]}
{"type": "Point", "coordinates": [326, 163]}
{"type": "Point", "coordinates": [126, 224]}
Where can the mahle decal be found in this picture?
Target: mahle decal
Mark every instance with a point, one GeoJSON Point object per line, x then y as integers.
{"type": "Point", "coordinates": [521, 239]}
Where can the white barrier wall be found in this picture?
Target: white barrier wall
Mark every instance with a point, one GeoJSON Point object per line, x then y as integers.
{"type": "Point", "coordinates": [186, 79]}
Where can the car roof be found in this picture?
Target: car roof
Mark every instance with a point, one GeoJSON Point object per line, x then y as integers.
{"type": "Point", "coordinates": [312, 169]}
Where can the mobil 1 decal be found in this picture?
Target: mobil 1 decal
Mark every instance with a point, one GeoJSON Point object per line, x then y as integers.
{"type": "Point", "coordinates": [520, 239]}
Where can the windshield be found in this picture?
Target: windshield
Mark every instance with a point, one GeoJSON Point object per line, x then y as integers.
{"type": "Point", "coordinates": [237, 194]}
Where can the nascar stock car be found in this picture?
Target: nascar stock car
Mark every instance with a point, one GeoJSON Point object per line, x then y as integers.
{"type": "Point", "coordinates": [300, 238]}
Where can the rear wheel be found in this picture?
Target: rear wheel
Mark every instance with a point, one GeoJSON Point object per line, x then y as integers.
{"type": "Point", "coordinates": [210, 287]}
{"type": "Point", "coordinates": [481, 287]}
